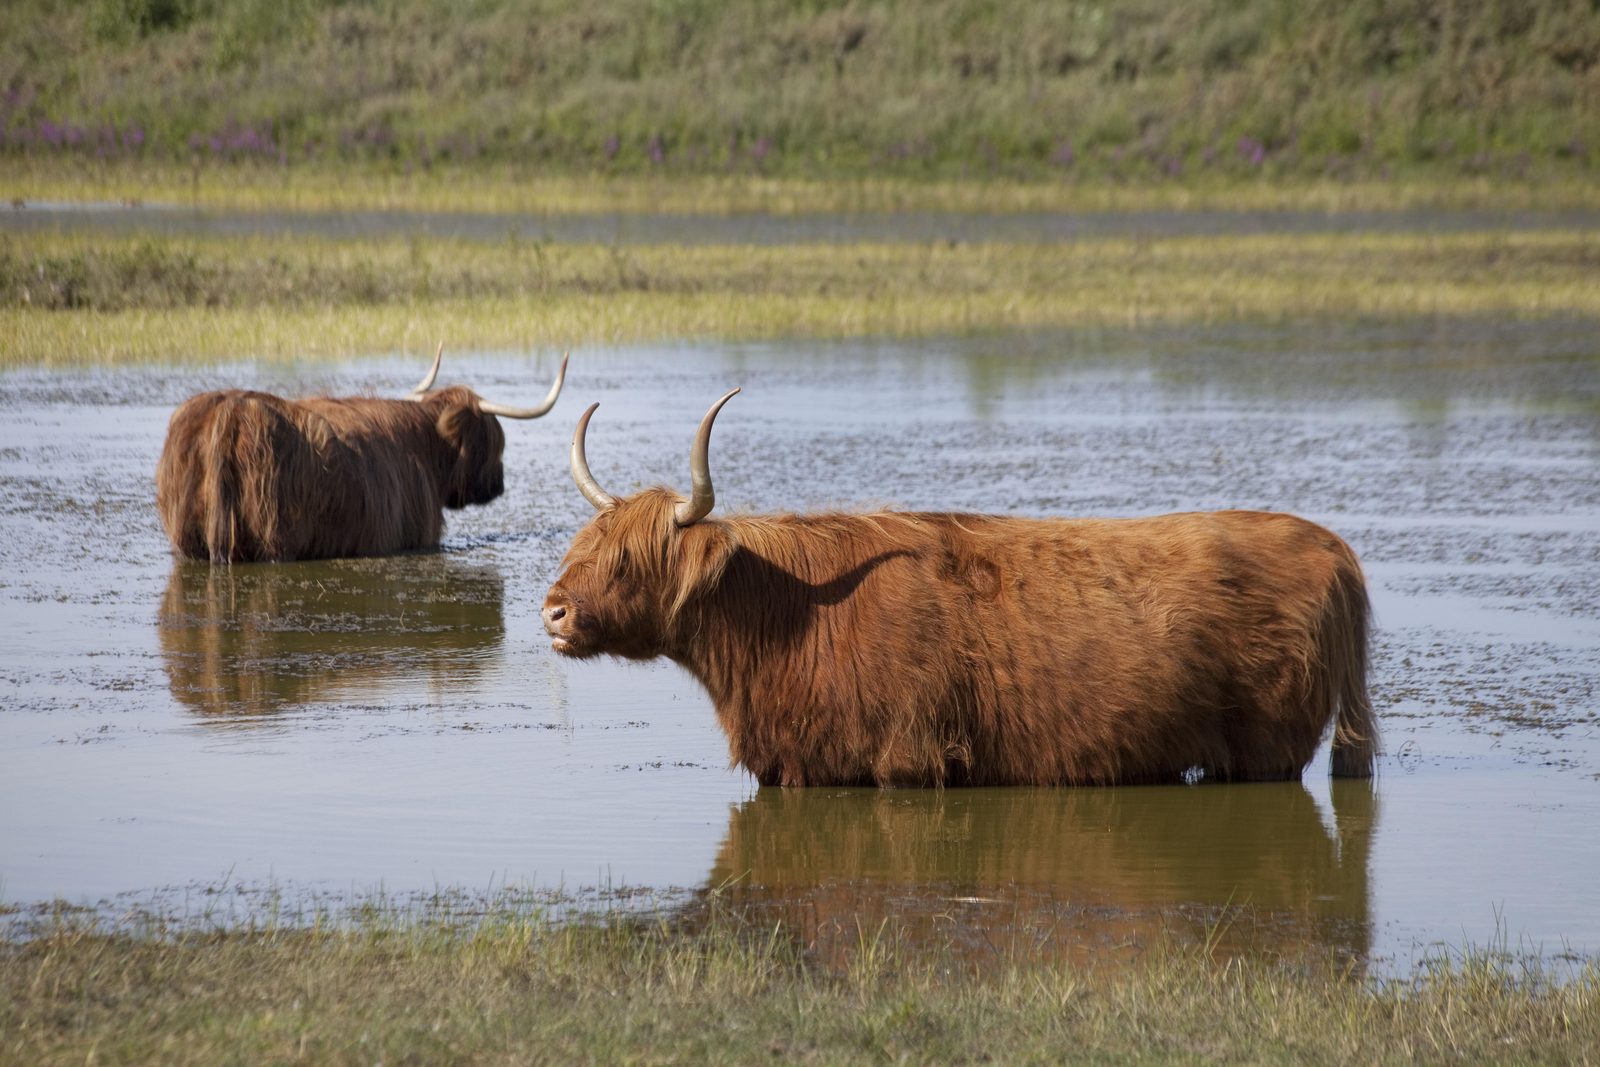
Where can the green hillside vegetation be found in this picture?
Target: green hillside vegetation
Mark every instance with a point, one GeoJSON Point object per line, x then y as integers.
{"type": "Point", "coordinates": [1126, 89]}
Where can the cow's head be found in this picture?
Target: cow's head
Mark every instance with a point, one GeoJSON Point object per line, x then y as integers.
{"type": "Point", "coordinates": [633, 568]}
{"type": "Point", "coordinates": [474, 442]}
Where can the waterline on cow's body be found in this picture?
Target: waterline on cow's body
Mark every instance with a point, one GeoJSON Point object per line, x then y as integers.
{"type": "Point", "coordinates": [322, 727]}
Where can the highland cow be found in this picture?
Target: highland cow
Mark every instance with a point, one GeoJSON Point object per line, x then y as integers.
{"type": "Point", "coordinates": [929, 649]}
{"type": "Point", "coordinates": [247, 476]}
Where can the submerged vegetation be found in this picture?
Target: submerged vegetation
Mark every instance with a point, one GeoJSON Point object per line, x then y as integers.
{"type": "Point", "coordinates": [96, 298]}
{"type": "Point", "coordinates": [508, 984]}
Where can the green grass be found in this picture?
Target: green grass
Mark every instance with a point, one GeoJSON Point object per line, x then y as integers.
{"type": "Point", "coordinates": [951, 88]}
{"type": "Point", "coordinates": [523, 189]}
{"type": "Point", "coordinates": [79, 299]}
{"type": "Point", "coordinates": [509, 985]}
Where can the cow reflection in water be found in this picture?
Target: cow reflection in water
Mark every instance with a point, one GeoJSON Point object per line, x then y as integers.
{"type": "Point", "coordinates": [1065, 874]}
{"type": "Point", "coordinates": [255, 639]}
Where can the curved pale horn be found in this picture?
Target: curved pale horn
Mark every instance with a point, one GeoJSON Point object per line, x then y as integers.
{"type": "Point", "coordinates": [590, 488]}
{"type": "Point", "coordinates": [701, 497]}
{"type": "Point", "coordinates": [433, 373]}
{"type": "Point", "coordinates": [545, 405]}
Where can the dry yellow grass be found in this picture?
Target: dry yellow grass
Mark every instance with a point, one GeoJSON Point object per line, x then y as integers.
{"type": "Point", "coordinates": [524, 190]}
{"type": "Point", "coordinates": [283, 298]}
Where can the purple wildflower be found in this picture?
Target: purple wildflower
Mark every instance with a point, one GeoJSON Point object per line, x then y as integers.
{"type": "Point", "coordinates": [1252, 151]}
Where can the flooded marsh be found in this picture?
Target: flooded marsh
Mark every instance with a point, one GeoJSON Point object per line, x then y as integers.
{"type": "Point", "coordinates": [74, 298]}
{"type": "Point", "coordinates": [319, 730]}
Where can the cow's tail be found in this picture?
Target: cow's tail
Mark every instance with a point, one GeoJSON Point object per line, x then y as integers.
{"type": "Point", "coordinates": [1345, 644]}
{"type": "Point", "coordinates": [238, 483]}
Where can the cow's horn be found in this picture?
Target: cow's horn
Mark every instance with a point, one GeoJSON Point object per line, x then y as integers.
{"type": "Point", "coordinates": [590, 488]}
{"type": "Point", "coordinates": [701, 496]}
{"type": "Point", "coordinates": [433, 373]}
{"type": "Point", "coordinates": [549, 401]}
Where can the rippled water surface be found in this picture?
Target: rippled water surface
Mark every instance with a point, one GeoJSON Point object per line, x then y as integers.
{"type": "Point", "coordinates": [331, 728]}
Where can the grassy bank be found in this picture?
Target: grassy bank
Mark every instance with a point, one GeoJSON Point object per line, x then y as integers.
{"type": "Point", "coordinates": [524, 189]}
{"type": "Point", "coordinates": [66, 299]}
{"type": "Point", "coordinates": [1124, 89]}
{"type": "Point", "coordinates": [512, 987]}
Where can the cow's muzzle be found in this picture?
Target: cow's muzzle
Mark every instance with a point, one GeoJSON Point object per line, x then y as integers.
{"type": "Point", "coordinates": [559, 623]}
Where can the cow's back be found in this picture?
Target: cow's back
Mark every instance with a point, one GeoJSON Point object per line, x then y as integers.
{"type": "Point", "coordinates": [388, 497]}
{"type": "Point", "coordinates": [1129, 650]}
{"type": "Point", "coordinates": [967, 649]}
{"type": "Point", "coordinates": [239, 477]}
{"type": "Point", "coordinates": [247, 476]}
{"type": "Point", "coordinates": [217, 482]}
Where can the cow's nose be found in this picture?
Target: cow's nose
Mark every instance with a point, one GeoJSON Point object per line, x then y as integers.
{"type": "Point", "coordinates": [553, 616]}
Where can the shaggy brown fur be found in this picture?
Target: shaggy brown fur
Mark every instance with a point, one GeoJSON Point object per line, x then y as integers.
{"type": "Point", "coordinates": [947, 649]}
{"type": "Point", "coordinates": [248, 476]}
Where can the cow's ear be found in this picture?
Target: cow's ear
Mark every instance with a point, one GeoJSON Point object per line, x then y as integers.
{"type": "Point", "coordinates": [704, 551]}
{"type": "Point", "coordinates": [455, 419]}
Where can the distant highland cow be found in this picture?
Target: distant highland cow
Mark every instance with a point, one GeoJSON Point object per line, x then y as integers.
{"type": "Point", "coordinates": [247, 476]}
{"type": "Point", "coordinates": [948, 649]}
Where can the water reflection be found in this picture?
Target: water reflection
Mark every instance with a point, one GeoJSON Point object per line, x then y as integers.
{"type": "Point", "coordinates": [1426, 368]}
{"type": "Point", "coordinates": [260, 638]}
{"type": "Point", "coordinates": [1066, 873]}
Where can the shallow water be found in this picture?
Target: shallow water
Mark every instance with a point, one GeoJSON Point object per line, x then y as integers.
{"type": "Point", "coordinates": [337, 727]}
{"type": "Point", "coordinates": [765, 229]}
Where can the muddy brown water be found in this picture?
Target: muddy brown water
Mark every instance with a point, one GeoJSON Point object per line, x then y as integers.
{"type": "Point", "coordinates": [334, 728]}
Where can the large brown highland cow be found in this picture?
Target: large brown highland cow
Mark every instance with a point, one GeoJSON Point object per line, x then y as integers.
{"type": "Point", "coordinates": [247, 476]}
{"type": "Point", "coordinates": [947, 649]}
